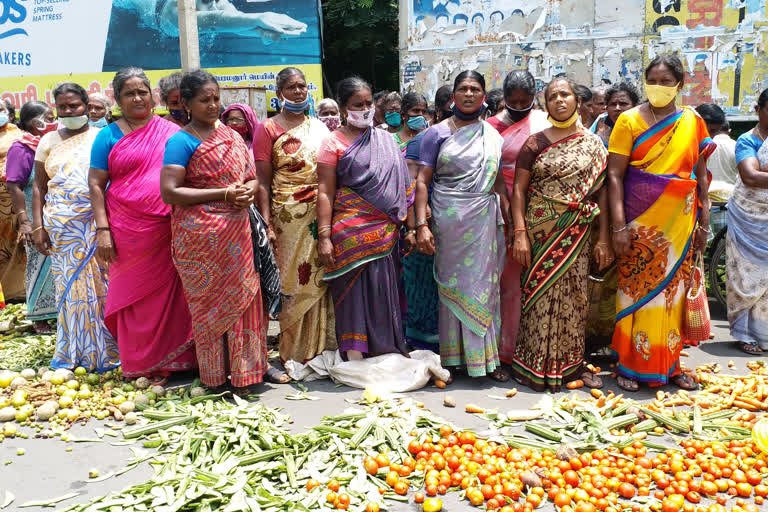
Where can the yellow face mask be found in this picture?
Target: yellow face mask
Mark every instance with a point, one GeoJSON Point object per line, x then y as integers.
{"type": "Point", "coordinates": [564, 124]}
{"type": "Point", "coordinates": [660, 95]}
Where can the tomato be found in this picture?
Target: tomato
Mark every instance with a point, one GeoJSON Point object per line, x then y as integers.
{"type": "Point", "coordinates": [761, 490]}
{"type": "Point", "coordinates": [571, 478]}
{"type": "Point", "coordinates": [693, 497]}
{"type": "Point", "coordinates": [311, 484]}
{"type": "Point", "coordinates": [401, 487]}
{"type": "Point", "coordinates": [562, 499]}
{"type": "Point", "coordinates": [330, 497]}
{"type": "Point", "coordinates": [343, 498]}
{"type": "Point", "coordinates": [492, 504]}
{"type": "Point", "coordinates": [431, 490]}
{"type": "Point", "coordinates": [442, 489]}
{"type": "Point", "coordinates": [382, 460]}
{"type": "Point", "coordinates": [418, 497]}
{"type": "Point", "coordinates": [371, 467]}
{"type": "Point", "coordinates": [445, 430]}
{"type": "Point", "coordinates": [708, 488]}
{"type": "Point", "coordinates": [339, 505]}
{"type": "Point", "coordinates": [487, 491]}
{"type": "Point", "coordinates": [403, 471]}
{"type": "Point", "coordinates": [476, 498]}
{"type": "Point", "coordinates": [392, 478]}
{"type": "Point", "coordinates": [432, 505]}
{"type": "Point", "coordinates": [585, 506]}
{"type": "Point", "coordinates": [334, 485]}
{"type": "Point", "coordinates": [744, 489]}
{"type": "Point", "coordinates": [533, 499]}
{"type": "Point", "coordinates": [372, 507]}
{"type": "Point", "coordinates": [627, 490]}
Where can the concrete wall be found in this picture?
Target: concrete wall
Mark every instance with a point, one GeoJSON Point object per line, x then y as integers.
{"type": "Point", "coordinates": [721, 42]}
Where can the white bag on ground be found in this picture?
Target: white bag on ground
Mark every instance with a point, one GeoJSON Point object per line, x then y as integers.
{"type": "Point", "coordinates": [390, 373]}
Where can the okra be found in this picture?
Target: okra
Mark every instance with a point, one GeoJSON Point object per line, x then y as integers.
{"type": "Point", "coordinates": [259, 457]}
{"type": "Point", "coordinates": [137, 432]}
{"type": "Point", "coordinates": [542, 431]}
{"type": "Point", "coordinates": [646, 425]}
{"type": "Point", "coordinates": [666, 420]}
{"type": "Point", "coordinates": [362, 433]}
{"type": "Point", "coordinates": [290, 469]}
{"type": "Point", "coordinates": [618, 422]}
{"type": "Point", "coordinates": [342, 432]}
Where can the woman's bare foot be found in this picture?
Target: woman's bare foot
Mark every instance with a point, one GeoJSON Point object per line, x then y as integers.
{"type": "Point", "coordinates": [354, 355]}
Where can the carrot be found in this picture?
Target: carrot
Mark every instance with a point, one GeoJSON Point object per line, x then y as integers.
{"type": "Point", "coordinates": [473, 409]}
{"type": "Point", "coordinates": [745, 405]}
{"type": "Point", "coordinates": [575, 384]}
{"type": "Point", "coordinates": [512, 392]}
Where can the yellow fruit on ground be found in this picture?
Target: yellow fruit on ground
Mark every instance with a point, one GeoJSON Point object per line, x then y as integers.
{"type": "Point", "coordinates": [432, 505]}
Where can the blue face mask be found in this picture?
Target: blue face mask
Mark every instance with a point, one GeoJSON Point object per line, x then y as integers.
{"type": "Point", "coordinates": [296, 108]}
{"type": "Point", "coordinates": [101, 123]}
{"type": "Point", "coordinates": [3, 118]}
{"type": "Point", "coordinates": [417, 123]}
{"type": "Point", "coordinates": [393, 119]}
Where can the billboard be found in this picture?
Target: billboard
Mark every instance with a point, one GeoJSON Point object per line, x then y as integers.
{"type": "Point", "coordinates": [242, 42]}
{"type": "Point", "coordinates": [721, 43]}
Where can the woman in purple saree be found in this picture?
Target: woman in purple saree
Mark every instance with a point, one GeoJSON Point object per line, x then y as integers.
{"type": "Point", "coordinates": [363, 169]}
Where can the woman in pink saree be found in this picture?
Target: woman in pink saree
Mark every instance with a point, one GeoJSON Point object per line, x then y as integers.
{"type": "Point", "coordinates": [516, 122]}
{"type": "Point", "coordinates": [145, 307]}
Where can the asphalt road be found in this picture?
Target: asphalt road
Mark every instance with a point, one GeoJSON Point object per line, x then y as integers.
{"type": "Point", "coordinates": [47, 470]}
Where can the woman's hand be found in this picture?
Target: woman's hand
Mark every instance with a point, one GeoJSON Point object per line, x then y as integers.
{"type": "Point", "coordinates": [42, 242]}
{"type": "Point", "coordinates": [521, 249]}
{"type": "Point", "coordinates": [25, 231]}
{"type": "Point", "coordinates": [425, 241]}
{"type": "Point", "coordinates": [700, 239]}
{"type": "Point", "coordinates": [325, 251]}
{"type": "Point", "coordinates": [622, 242]}
{"type": "Point", "coordinates": [410, 242]}
{"type": "Point", "coordinates": [603, 254]}
{"type": "Point", "coordinates": [241, 196]}
{"type": "Point", "coordinates": [271, 236]}
{"type": "Point", "coordinates": [105, 247]}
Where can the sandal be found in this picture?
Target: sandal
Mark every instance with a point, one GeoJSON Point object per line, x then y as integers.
{"type": "Point", "coordinates": [499, 375]}
{"type": "Point", "coordinates": [749, 348]}
{"type": "Point", "coordinates": [276, 376]}
{"type": "Point", "coordinates": [627, 384]}
{"type": "Point", "coordinates": [684, 381]}
{"type": "Point", "coordinates": [591, 380]}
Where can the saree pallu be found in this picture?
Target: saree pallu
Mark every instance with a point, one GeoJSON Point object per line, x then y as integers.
{"type": "Point", "coordinates": [559, 216]}
{"type": "Point", "coordinates": [514, 138]}
{"type": "Point", "coordinates": [213, 253]}
{"type": "Point", "coordinates": [372, 199]}
{"type": "Point", "coordinates": [660, 202]}
{"type": "Point", "coordinates": [82, 338]}
{"type": "Point", "coordinates": [40, 287]}
{"type": "Point", "coordinates": [12, 256]}
{"type": "Point", "coordinates": [746, 254]}
{"type": "Point", "coordinates": [307, 322]}
{"type": "Point", "coordinates": [469, 248]}
{"type": "Point", "coordinates": [145, 308]}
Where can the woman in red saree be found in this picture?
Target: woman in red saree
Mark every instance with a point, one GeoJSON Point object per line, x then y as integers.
{"type": "Point", "coordinates": [517, 121]}
{"type": "Point", "coordinates": [209, 177]}
{"type": "Point", "coordinates": [145, 309]}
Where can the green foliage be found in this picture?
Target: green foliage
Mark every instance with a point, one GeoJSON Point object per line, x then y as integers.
{"type": "Point", "coordinates": [360, 38]}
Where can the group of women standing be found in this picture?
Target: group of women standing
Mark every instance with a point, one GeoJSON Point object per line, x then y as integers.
{"type": "Point", "coordinates": [475, 238]}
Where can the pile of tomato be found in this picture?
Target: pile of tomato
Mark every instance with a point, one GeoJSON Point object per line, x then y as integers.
{"type": "Point", "coordinates": [700, 476]}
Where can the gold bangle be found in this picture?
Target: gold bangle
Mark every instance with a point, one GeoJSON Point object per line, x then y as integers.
{"type": "Point", "coordinates": [225, 194]}
{"type": "Point", "coordinates": [38, 228]}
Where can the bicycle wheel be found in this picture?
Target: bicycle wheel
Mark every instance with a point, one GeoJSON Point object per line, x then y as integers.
{"type": "Point", "coordinates": [716, 272]}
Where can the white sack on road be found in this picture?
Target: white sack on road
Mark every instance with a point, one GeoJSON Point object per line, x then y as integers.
{"type": "Point", "coordinates": [390, 373]}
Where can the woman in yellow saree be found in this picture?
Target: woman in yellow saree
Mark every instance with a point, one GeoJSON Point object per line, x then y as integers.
{"type": "Point", "coordinates": [286, 148]}
{"type": "Point", "coordinates": [658, 182]}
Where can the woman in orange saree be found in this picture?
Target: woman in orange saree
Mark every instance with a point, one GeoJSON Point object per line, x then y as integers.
{"type": "Point", "coordinates": [209, 178]}
{"type": "Point", "coordinates": [658, 192]}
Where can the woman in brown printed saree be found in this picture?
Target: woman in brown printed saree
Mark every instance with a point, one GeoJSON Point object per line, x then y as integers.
{"type": "Point", "coordinates": [553, 206]}
{"type": "Point", "coordinates": [285, 149]}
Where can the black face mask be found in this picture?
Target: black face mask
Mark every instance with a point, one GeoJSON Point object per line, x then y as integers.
{"type": "Point", "coordinates": [518, 115]}
{"type": "Point", "coordinates": [468, 117]}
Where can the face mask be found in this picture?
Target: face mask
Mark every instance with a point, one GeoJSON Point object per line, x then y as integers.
{"type": "Point", "coordinates": [296, 108]}
{"type": "Point", "coordinates": [518, 115]}
{"type": "Point", "coordinates": [332, 122]}
{"type": "Point", "coordinates": [469, 116]}
{"type": "Point", "coordinates": [74, 122]}
{"type": "Point", "coordinates": [361, 118]}
{"type": "Point", "coordinates": [417, 123]}
{"type": "Point", "coordinates": [567, 123]}
{"type": "Point", "coordinates": [179, 115]}
{"type": "Point", "coordinates": [660, 95]}
{"type": "Point", "coordinates": [3, 118]}
{"type": "Point", "coordinates": [101, 123]}
{"type": "Point", "coordinates": [393, 119]}
{"type": "Point", "coordinates": [242, 129]}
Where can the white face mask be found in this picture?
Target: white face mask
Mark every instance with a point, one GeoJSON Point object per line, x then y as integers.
{"type": "Point", "coordinates": [74, 122]}
{"type": "Point", "coordinates": [361, 118]}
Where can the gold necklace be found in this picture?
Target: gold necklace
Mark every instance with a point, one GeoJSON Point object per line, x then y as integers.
{"type": "Point", "coordinates": [655, 121]}
{"type": "Point", "coordinates": [197, 134]}
{"type": "Point", "coordinates": [760, 133]}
